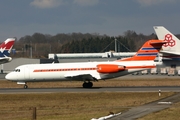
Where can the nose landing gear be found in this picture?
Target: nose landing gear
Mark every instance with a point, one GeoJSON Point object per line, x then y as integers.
{"type": "Point", "coordinates": [23, 83]}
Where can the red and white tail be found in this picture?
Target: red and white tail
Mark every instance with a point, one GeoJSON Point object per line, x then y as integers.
{"type": "Point", "coordinates": [6, 46]}
{"type": "Point", "coordinates": [148, 51]}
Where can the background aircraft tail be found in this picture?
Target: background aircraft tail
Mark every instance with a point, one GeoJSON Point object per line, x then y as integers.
{"type": "Point", "coordinates": [148, 51]}
{"type": "Point", "coordinates": [6, 46]}
{"type": "Point", "coordinates": [173, 43]}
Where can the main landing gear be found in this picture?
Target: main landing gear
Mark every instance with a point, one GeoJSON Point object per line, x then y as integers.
{"type": "Point", "coordinates": [87, 84]}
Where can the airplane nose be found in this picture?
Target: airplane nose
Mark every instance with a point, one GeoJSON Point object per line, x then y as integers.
{"type": "Point", "coordinates": [9, 76]}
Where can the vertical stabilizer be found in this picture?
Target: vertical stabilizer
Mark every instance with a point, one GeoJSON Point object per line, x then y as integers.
{"type": "Point", "coordinates": [6, 46]}
{"type": "Point", "coordinates": [173, 43]}
{"type": "Point", "coordinates": [148, 51]}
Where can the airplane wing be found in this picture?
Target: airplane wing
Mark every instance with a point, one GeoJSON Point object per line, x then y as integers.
{"type": "Point", "coordinates": [5, 59]}
{"type": "Point", "coordinates": [79, 76]}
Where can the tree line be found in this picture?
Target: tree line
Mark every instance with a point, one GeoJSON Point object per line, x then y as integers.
{"type": "Point", "coordinates": [43, 44]}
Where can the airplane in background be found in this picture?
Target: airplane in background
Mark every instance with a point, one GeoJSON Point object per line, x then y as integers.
{"type": "Point", "coordinates": [170, 53]}
{"type": "Point", "coordinates": [171, 49]}
{"type": "Point", "coordinates": [5, 49]}
{"type": "Point", "coordinates": [88, 71]}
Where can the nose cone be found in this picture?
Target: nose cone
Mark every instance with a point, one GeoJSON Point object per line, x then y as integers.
{"type": "Point", "coordinates": [9, 76]}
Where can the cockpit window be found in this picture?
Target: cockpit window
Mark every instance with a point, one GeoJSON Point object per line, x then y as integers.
{"type": "Point", "coordinates": [17, 70]}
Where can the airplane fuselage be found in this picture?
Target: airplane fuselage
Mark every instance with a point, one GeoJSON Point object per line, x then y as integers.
{"type": "Point", "coordinates": [69, 71]}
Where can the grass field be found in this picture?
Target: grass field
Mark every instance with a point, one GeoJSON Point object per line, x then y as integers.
{"type": "Point", "coordinates": [82, 106]}
{"type": "Point", "coordinates": [70, 106]}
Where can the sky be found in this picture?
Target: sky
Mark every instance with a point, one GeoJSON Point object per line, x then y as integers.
{"type": "Point", "coordinates": [19, 18]}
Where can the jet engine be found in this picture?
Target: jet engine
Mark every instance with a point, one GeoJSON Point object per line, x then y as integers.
{"type": "Point", "coordinates": [109, 68]}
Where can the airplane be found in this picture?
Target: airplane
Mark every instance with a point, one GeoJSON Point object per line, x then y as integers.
{"type": "Point", "coordinates": [88, 71]}
{"type": "Point", "coordinates": [5, 49]}
{"type": "Point", "coordinates": [170, 53]}
{"type": "Point", "coordinates": [171, 48]}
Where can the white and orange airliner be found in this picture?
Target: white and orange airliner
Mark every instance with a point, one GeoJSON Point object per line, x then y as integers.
{"type": "Point", "coordinates": [88, 71]}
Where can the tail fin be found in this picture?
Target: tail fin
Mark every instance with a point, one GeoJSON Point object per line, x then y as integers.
{"type": "Point", "coordinates": [148, 51]}
{"type": "Point", "coordinates": [173, 43]}
{"type": "Point", "coordinates": [6, 46]}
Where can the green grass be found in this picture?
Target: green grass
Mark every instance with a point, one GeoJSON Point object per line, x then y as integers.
{"type": "Point", "coordinates": [70, 106]}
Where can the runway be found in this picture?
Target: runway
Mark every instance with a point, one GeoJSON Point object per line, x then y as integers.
{"type": "Point", "coordinates": [95, 89]}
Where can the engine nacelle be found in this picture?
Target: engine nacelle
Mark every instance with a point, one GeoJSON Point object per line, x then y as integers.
{"type": "Point", "coordinates": [109, 68]}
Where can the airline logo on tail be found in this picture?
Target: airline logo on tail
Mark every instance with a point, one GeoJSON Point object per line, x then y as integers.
{"type": "Point", "coordinates": [169, 39]}
{"type": "Point", "coordinates": [6, 46]}
{"type": "Point", "coordinates": [171, 49]}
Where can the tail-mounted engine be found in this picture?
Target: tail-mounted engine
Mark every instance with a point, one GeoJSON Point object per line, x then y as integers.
{"type": "Point", "coordinates": [109, 68]}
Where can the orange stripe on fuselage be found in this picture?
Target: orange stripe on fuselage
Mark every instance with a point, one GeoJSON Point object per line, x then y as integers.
{"type": "Point", "coordinates": [83, 69]}
{"type": "Point", "coordinates": [64, 69]}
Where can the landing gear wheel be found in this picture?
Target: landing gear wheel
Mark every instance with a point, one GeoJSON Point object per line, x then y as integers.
{"type": "Point", "coordinates": [87, 85]}
{"type": "Point", "coordinates": [90, 84]}
{"type": "Point", "coordinates": [84, 85]}
{"type": "Point", "coordinates": [25, 86]}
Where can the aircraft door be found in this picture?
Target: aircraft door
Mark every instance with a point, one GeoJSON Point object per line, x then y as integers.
{"type": "Point", "coordinates": [26, 72]}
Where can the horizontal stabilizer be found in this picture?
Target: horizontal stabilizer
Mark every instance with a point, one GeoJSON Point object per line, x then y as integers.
{"type": "Point", "coordinates": [158, 42]}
